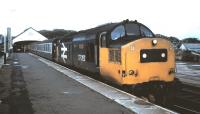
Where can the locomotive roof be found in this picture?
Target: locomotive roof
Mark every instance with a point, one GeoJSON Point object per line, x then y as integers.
{"type": "Point", "coordinates": [98, 29]}
{"type": "Point", "coordinates": [105, 27]}
{"type": "Point", "coordinates": [101, 28]}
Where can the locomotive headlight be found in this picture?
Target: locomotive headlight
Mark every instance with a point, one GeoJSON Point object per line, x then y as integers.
{"type": "Point", "coordinates": [154, 42]}
{"type": "Point", "coordinates": [144, 55]}
{"type": "Point", "coordinates": [163, 55]}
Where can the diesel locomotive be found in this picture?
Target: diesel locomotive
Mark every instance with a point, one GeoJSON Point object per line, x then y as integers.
{"type": "Point", "coordinates": [126, 53]}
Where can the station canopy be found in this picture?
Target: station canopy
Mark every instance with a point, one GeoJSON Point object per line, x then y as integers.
{"type": "Point", "coordinates": [191, 46]}
{"type": "Point", "coordinates": [29, 34]}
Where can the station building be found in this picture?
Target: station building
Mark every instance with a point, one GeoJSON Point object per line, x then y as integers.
{"type": "Point", "coordinates": [191, 47]}
{"type": "Point", "coordinates": [28, 36]}
{"type": "Point", "coordinates": [190, 52]}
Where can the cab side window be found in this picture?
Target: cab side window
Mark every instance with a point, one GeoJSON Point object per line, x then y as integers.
{"type": "Point", "coordinates": [103, 42]}
{"type": "Point", "coordinates": [145, 32]}
{"type": "Point", "coordinates": [118, 32]}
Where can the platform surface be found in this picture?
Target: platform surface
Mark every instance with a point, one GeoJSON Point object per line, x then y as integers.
{"type": "Point", "coordinates": [52, 92]}
{"type": "Point", "coordinates": [1, 61]}
{"type": "Point", "coordinates": [39, 86]}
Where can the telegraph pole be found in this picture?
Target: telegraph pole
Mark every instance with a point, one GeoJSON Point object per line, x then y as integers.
{"type": "Point", "coordinates": [7, 44]}
{"type": "Point", "coordinates": [4, 47]}
{"type": "Point", "coordinates": [9, 38]}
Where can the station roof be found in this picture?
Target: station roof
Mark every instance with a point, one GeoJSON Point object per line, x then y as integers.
{"type": "Point", "coordinates": [29, 34]}
{"type": "Point", "coordinates": [191, 46]}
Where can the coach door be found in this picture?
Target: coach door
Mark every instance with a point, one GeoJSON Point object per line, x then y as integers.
{"type": "Point", "coordinates": [109, 69]}
{"type": "Point", "coordinates": [102, 40]}
{"type": "Point", "coordinates": [56, 51]}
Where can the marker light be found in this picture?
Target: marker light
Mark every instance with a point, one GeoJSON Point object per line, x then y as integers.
{"type": "Point", "coordinates": [144, 55]}
{"type": "Point", "coordinates": [154, 42]}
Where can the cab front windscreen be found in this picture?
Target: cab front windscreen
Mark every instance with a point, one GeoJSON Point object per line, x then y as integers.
{"type": "Point", "coordinates": [131, 30]}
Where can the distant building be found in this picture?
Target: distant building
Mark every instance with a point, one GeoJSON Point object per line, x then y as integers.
{"type": "Point", "coordinates": [175, 41]}
{"type": "Point", "coordinates": [1, 39]}
{"type": "Point", "coordinates": [1, 45]}
{"type": "Point", "coordinates": [195, 47]}
{"type": "Point", "coordinates": [29, 35]}
{"type": "Point", "coordinates": [189, 52]}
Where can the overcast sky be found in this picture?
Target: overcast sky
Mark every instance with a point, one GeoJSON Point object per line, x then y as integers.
{"type": "Point", "coordinates": [179, 18]}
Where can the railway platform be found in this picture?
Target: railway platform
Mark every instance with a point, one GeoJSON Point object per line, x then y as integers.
{"type": "Point", "coordinates": [188, 73]}
{"type": "Point", "coordinates": [33, 85]}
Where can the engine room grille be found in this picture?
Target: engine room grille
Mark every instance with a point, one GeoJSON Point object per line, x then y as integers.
{"type": "Point", "coordinates": [115, 55]}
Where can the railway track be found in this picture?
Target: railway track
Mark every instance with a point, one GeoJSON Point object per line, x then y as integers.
{"type": "Point", "coordinates": [191, 77]}
{"type": "Point", "coordinates": [188, 100]}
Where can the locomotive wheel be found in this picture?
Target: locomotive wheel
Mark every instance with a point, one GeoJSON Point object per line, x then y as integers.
{"type": "Point", "coordinates": [152, 98]}
{"type": "Point", "coordinates": [155, 99]}
{"type": "Point", "coordinates": [144, 98]}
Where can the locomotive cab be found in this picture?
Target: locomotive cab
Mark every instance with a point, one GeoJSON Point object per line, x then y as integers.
{"type": "Point", "coordinates": [117, 49]}
{"type": "Point", "coordinates": [134, 58]}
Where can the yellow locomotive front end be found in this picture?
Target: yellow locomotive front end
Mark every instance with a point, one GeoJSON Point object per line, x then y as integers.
{"type": "Point", "coordinates": [147, 60]}
{"type": "Point", "coordinates": [131, 56]}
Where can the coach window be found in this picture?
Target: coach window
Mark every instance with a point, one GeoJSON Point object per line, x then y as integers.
{"type": "Point", "coordinates": [118, 32]}
{"type": "Point", "coordinates": [50, 47]}
{"type": "Point", "coordinates": [47, 47]}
